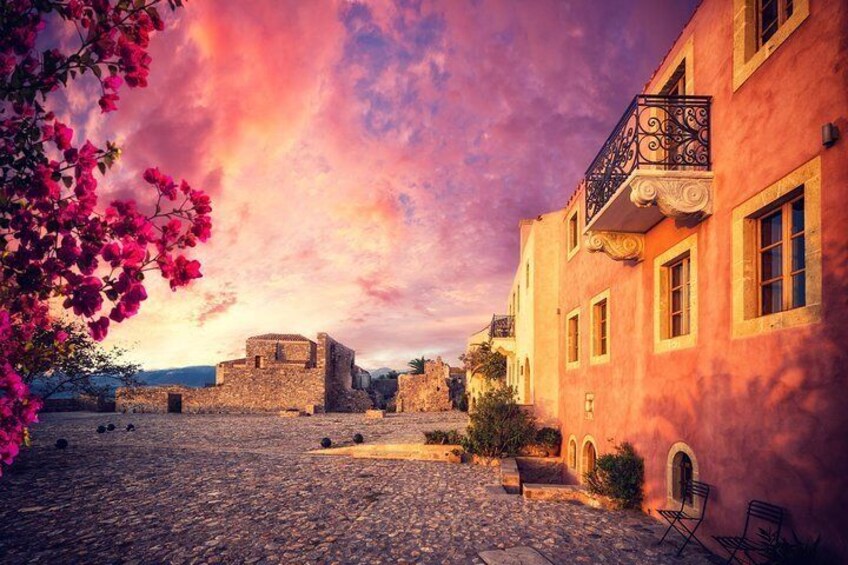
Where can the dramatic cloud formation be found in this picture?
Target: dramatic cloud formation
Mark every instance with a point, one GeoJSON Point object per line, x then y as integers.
{"type": "Point", "coordinates": [369, 161]}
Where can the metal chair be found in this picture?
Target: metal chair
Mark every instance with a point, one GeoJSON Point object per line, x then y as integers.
{"type": "Point", "coordinates": [678, 519]}
{"type": "Point", "coordinates": [762, 513]}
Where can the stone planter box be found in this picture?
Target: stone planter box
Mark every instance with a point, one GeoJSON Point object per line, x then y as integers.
{"type": "Point", "coordinates": [510, 476]}
{"type": "Point", "coordinates": [566, 493]}
{"type": "Point", "coordinates": [400, 451]}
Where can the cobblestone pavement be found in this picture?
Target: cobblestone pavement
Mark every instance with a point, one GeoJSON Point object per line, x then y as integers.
{"type": "Point", "coordinates": [241, 489]}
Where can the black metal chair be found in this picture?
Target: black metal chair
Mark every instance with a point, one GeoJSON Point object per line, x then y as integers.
{"type": "Point", "coordinates": [764, 514]}
{"type": "Point", "coordinates": [680, 519]}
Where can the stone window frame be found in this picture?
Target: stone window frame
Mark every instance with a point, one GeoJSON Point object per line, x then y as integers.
{"type": "Point", "coordinates": [587, 439]}
{"type": "Point", "coordinates": [663, 341]}
{"type": "Point", "coordinates": [589, 406]}
{"type": "Point", "coordinates": [746, 319]}
{"type": "Point", "coordinates": [596, 359]}
{"type": "Point", "coordinates": [747, 57]}
{"type": "Point", "coordinates": [671, 502]}
{"type": "Point", "coordinates": [573, 457]}
{"type": "Point", "coordinates": [569, 365]}
{"type": "Point", "coordinates": [572, 247]}
{"type": "Point", "coordinates": [686, 56]}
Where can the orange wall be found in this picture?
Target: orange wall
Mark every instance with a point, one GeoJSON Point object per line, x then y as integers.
{"type": "Point", "coordinates": [766, 415]}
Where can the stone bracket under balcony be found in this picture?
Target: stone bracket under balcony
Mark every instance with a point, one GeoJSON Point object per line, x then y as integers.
{"type": "Point", "coordinates": [621, 246]}
{"type": "Point", "coordinates": [650, 195]}
{"type": "Point", "coordinates": [677, 194]}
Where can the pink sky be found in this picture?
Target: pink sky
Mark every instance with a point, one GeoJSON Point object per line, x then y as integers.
{"type": "Point", "coordinates": [369, 162]}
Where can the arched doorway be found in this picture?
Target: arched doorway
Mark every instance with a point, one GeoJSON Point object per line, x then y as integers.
{"type": "Point", "coordinates": [589, 455]}
{"type": "Point", "coordinates": [527, 392]}
{"type": "Point", "coordinates": [572, 453]}
{"type": "Point", "coordinates": [681, 475]}
{"type": "Point", "coordinates": [682, 467]}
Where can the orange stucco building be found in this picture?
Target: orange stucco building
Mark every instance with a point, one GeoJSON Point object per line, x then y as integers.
{"type": "Point", "coordinates": [696, 291]}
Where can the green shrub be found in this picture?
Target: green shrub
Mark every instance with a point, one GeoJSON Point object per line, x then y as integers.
{"type": "Point", "coordinates": [619, 476]}
{"type": "Point", "coordinates": [442, 437]}
{"type": "Point", "coordinates": [499, 427]}
{"type": "Point", "coordinates": [780, 551]}
{"type": "Point", "coordinates": [549, 438]}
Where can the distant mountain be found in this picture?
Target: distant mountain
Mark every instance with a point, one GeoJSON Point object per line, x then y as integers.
{"type": "Point", "coordinates": [196, 376]}
{"type": "Point", "coordinates": [379, 373]}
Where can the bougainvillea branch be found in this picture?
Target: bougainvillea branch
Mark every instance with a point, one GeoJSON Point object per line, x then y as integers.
{"type": "Point", "coordinates": [58, 244]}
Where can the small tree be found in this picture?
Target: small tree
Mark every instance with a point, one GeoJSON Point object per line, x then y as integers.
{"type": "Point", "coordinates": [499, 427]}
{"type": "Point", "coordinates": [619, 476]}
{"type": "Point", "coordinates": [63, 245]}
{"type": "Point", "coordinates": [79, 364]}
{"type": "Point", "coordinates": [481, 360]}
{"type": "Point", "coordinates": [417, 365]}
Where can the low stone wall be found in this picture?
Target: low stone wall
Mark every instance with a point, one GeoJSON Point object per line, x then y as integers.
{"type": "Point", "coordinates": [81, 403]}
{"type": "Point", "coordinates": [247, 393]}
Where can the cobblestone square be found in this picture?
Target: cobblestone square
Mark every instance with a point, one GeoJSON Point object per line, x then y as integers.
{"type": "Point", "coordinates": [243, 489]}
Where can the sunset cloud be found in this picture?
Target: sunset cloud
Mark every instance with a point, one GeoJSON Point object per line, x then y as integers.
{"type": "Point", "coordinates": [369, 161]}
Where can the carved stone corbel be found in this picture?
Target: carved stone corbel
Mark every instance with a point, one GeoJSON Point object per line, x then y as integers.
{"type": "Point", "coordinates": [676, 197]}
{"type": "Point", "coordinates": [620, 246]}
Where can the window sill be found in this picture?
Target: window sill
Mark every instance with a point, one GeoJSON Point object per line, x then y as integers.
{"type": "Point", "coordinates": [772, 322]}
{"type": "Point", "coordinates": [678, 343]}
{"type": "Point", "coordinates": [599, 359]}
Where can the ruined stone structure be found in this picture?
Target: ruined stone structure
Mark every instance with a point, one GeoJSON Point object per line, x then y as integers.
{"type": "Point", "coordinates": [437, 390]}
{"type": "Point", "coordinates": [279, 372]}
{"type": "Point", "coordinates": [383, 392]}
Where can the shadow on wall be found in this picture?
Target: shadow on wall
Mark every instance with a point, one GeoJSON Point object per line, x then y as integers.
{"type": "Point", "coordinates": [780, 436]}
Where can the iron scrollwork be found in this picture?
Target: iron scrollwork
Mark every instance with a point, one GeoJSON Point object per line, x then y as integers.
{"type": "Point", "coordinates": [656, 132]}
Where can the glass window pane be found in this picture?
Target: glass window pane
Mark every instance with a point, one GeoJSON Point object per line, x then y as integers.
{"type": "Point", "coordinates": [771, 263]}
{"type": "Point", "coordinates": [676, 325]}
{"type": "Point", "coordinates": [768, 19]}
{"type": "Point", "coordinates": [772, 297]}
{"type": "Point", "coordinates": [799, 289]}
{"type": "Point", "coordinates": [798, 215]}
{"type": "Point", "coordinates": [771, 229]}
{"type": "Point", "coordinates": [676, 271]}
{"type": "Point", "coordinates": [676, 301]}
{"type": "Point", "coordinates": [798, 256]}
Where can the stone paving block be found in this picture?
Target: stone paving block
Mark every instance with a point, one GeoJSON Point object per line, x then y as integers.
{"type": "Point", "coordinates": [242, 489]}
{"type": "Point", "coordinates": [513, 556]}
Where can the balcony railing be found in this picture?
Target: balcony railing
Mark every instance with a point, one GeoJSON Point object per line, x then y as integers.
{"type": "Point", "coordinates": [502, 326]}
{"type": "Point", "coordinates": [656, 132]}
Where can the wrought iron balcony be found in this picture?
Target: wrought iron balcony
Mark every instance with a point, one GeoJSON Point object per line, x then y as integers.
{"type": "Point", "coordinates": [503, 326]}
{"type": "Point", "coordinates": [659, 155]}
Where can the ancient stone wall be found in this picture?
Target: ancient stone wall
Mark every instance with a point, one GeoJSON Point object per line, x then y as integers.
{"type": "Point", "coordinates": [270, 350]}
{"type": "Point", "coordinates": [246, 390]}
{"type": "Point", "coordinates": [293, 374]}
{"type": "Point", "coordinates": [339, 362]}
{"type": "Point", "coordinates": [430, 392]}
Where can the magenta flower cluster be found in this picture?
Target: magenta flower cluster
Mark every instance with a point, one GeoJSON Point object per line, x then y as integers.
{"type": "Point", "coordinates": [60, 245]}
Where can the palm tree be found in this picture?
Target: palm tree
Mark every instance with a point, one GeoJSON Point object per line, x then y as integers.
{"type": "Point", "coordinates": [417, 365]}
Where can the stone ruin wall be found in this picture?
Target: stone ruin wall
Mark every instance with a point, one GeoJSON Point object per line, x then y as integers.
{"type": "Point", "coordinates": [271, 351]}
{"type": "Point", "coordinates": [309, 375]}
{"type": "Point", "coordinates": [430, 392]}
{"type": "Point", "coordinates": [339, 361]}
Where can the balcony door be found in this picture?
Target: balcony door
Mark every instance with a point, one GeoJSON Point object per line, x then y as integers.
{"type": "Point", "coordinates": [674, 116]}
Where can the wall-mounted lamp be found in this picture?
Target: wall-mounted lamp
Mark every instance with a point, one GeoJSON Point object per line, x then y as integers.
{"type": "Point", "coordinates": [830, 133]}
